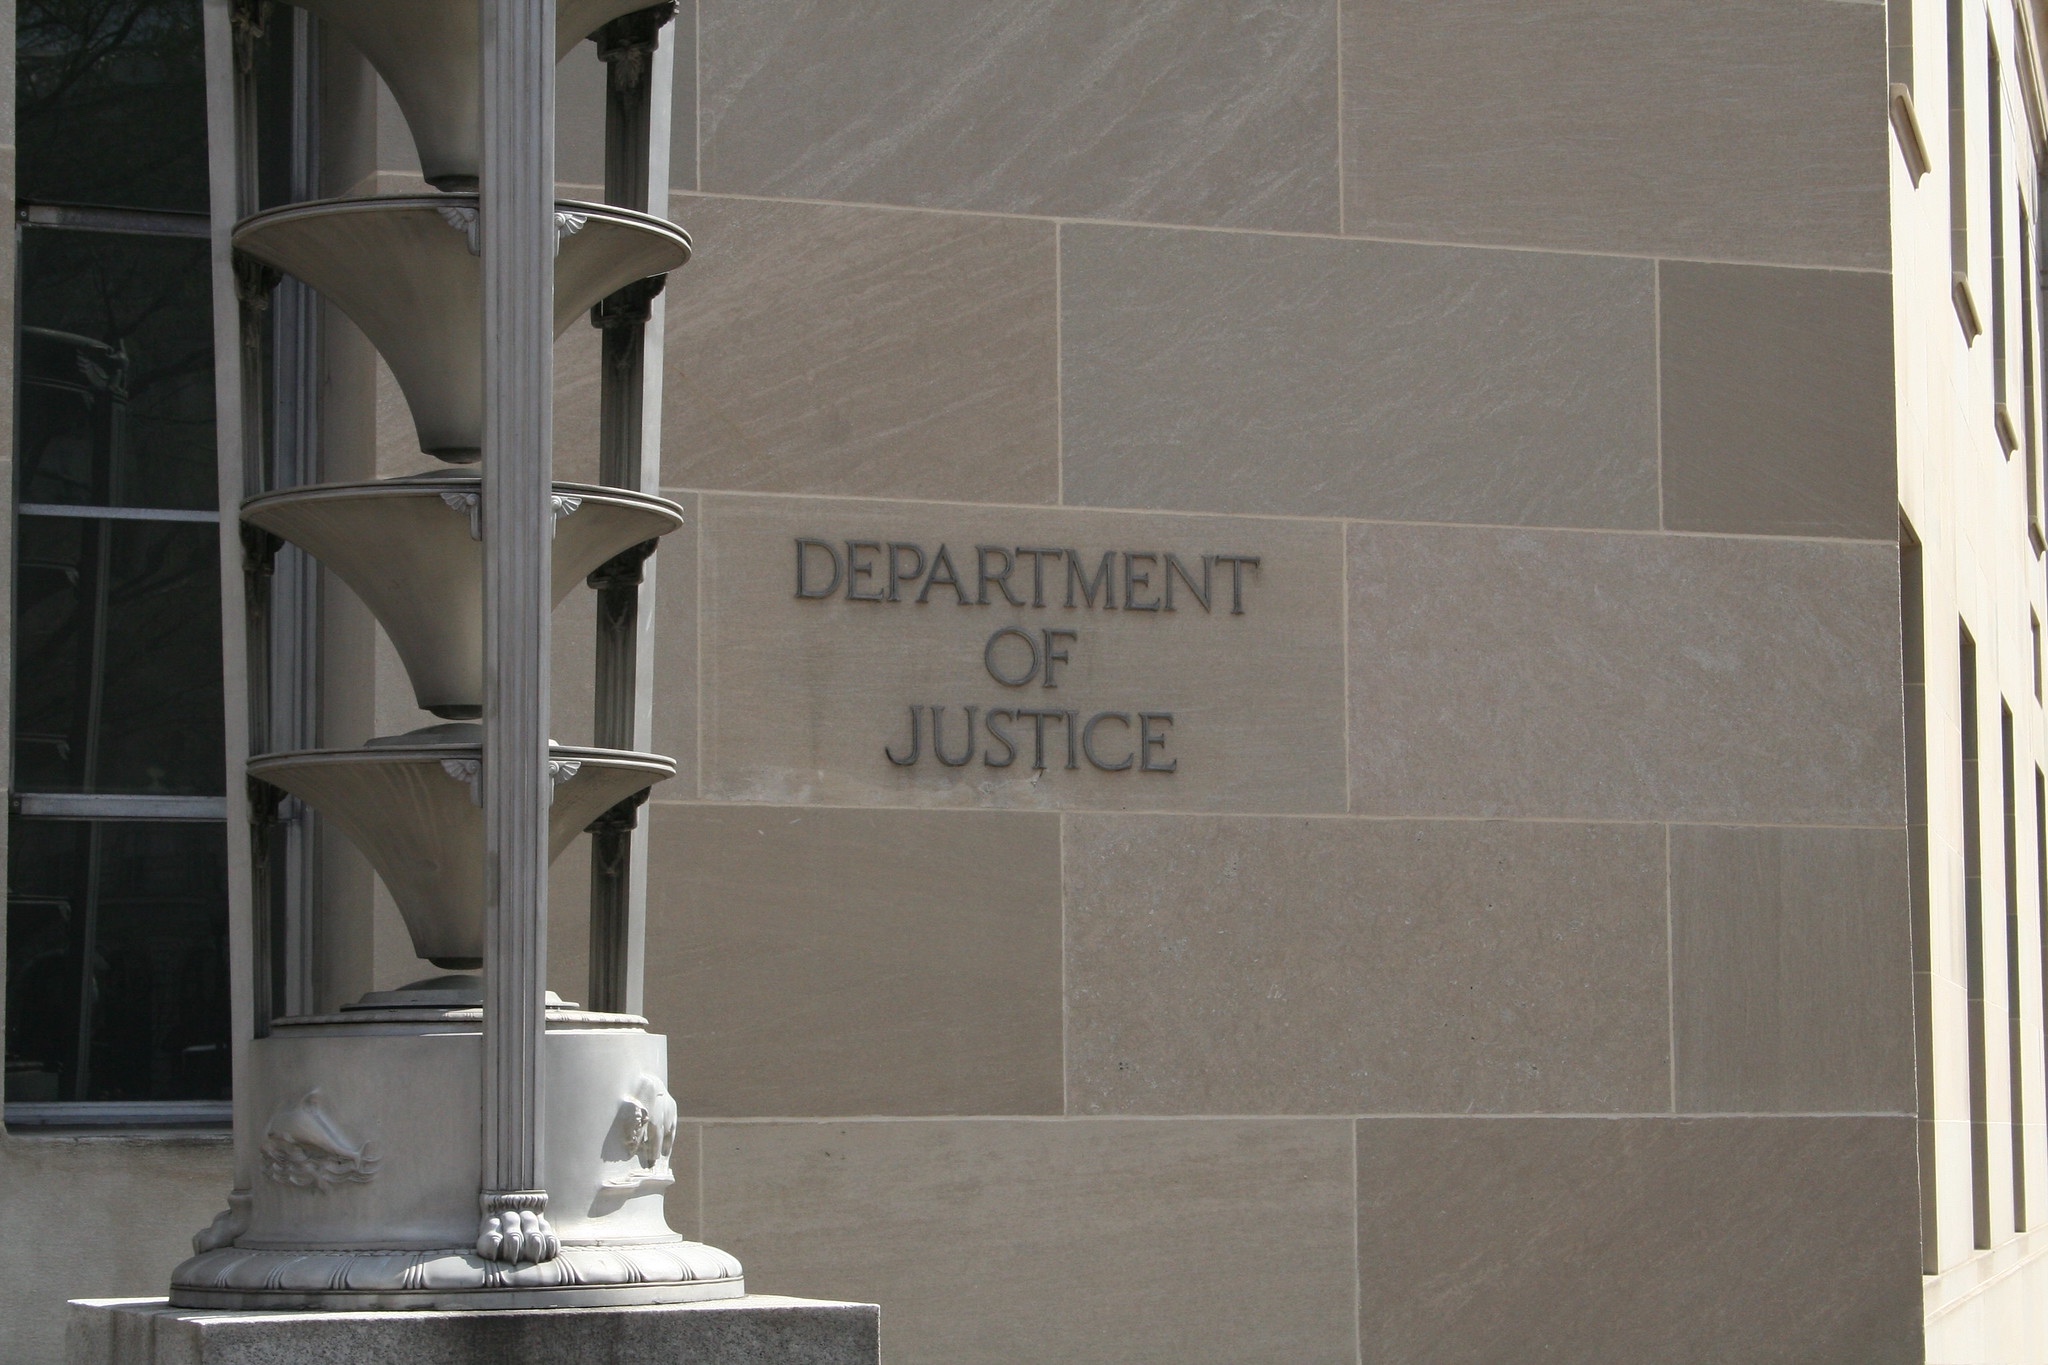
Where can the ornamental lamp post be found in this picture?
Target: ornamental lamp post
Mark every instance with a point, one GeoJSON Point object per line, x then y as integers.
{"type": "Point", "coordinates": [467, 1140]}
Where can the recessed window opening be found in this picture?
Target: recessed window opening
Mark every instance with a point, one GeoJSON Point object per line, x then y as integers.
{"type": "Point", "coordinates": [2016, 1090]}
{"type": "Point", "coordinates": [1913, 637]}
{"type": "Point", "coordinates": [2030, 441]}
{"type": "Point", "coordinates": [1994, 217]}
{"type": "Point", "coordinates": [1973, 950]}
{"type": "Point", "coordinates": [1958, 149]}
{"type": "Point", "coordinates": [2034, 637]}
{"type": "Point", "coordinates": [116, 937]}
{"type": "Point", "coordinates": [1899, 37]}
{"type": "Point", "coordinates": [2041, 908]}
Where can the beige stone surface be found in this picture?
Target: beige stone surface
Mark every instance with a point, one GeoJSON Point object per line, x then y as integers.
{"type": "Point", "coordinates": [1058, 1240]}
{"type": "Point", "coordinates": [817, 348]}
{"type": "Point", "coordinates": [802, 697]}
{"type": "Point", "coordinates": [1776, 401]}
{"type": "Point", "coordinates": [1187, 111]}
{"type": "Point", "coordinates": [2003, 1324]}
{"type": "Point", "coordinates": [813, 961]}
{"type": "Point", "coordinates": [1566, 674]}
{"type": "Point", "coordinates": [1648, 1239]}
{"type": "Point", "coordinates": [1791, 961]}
{"type": "Point", "coordinates": [1748, 130]}
{"type": "Point", "coordinates": [674, 575]}
{"type": "Point", "coordinates": [1254, 373]}
{"type": "Point", "coordinates": [682, 1205]}
{"type": "Point", "coordinates": [568, 924]}
{"type": "Point", "coordinates": [1226, 965]}
{"type": "Point", "coordinates": [811, 958]}
{"type": "Point", "coordinates": [578, 359]}
{"type": "Point", "coordinates": [101, 1215]}
{"type": "Point", "coordinates": [572, 668]}
{"type": "Point", "coordinates": [682, 142]}
{"type": "Point", "coordinates": [579, 118]}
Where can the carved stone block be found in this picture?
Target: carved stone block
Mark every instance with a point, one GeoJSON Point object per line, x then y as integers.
{"type": "Point", "coordinates": [754, 1330]}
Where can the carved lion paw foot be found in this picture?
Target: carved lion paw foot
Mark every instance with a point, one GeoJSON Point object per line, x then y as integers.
{"type": "Point", "coordinates": [515, 1229]}
{"type": "Point", "coordinates": [230, 1223]}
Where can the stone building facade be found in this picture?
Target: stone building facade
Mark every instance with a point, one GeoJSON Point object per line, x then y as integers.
{"type": "Point", "coordinates": [1354, 681]}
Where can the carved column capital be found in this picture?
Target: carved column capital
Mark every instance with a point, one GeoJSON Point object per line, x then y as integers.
{"type": "Point", "coordinates": [631, 306]}
{"type": "Point", "coordinates": [248, 19]}
{"type": "Point", "coordinates": [625, 43]}
{"type": "Point", "coordinates": [254, 282]}
{"type": "Point", "coordinates": [626, 569]}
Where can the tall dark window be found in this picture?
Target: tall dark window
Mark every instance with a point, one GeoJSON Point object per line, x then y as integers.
{"type": "Point", "coordinates": [1994, 218]}
{"type": "Point", "coordinates": [1958, 170]}
{"type": "Point", "coordinates": [2030, 441]}
{"type": "Point", "coordinates": [1913, 641]}
{"type": "Point", "coordinates": [1973, 949]}
{"type": "Point", "coordinates": [117, 987]}
{"type": "Point", "coordinates": [1899, 39]}
{"type": "Point", "coordinates": [2041, 892]}
{"type": "Point", "coordinates": [2016, 1139]}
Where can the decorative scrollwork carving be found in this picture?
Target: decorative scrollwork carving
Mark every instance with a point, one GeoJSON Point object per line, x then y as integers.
{"type": "Point", "coordinates": [463, 218]}
{"type": "Point", "coordinates": [470, 505]}
{"type": "Point", "coordinates": [305, 1148]}
{"type": "Point", "coordinates": [470, 770]}
{"type": "Point", "coordinates": [467, 770]}
{"type": "Point", "coordinates": [567, 225]}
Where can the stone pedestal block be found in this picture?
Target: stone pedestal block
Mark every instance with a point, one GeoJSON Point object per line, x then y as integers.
{"type": "Point", "coordinates": [758, 1329]}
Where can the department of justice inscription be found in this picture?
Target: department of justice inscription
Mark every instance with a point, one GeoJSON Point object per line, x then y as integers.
{"type": "Point", "coordinates": [1042, 735]}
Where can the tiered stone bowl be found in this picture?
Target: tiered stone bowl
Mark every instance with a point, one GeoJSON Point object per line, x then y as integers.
{"type": "Point", "coordinates": [406, 271]}
{"type": "Point", "coordinates": [409, 549]}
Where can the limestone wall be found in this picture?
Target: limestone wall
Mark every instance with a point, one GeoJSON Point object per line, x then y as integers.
{"type": "Point", "coordinates": [1504, 950]}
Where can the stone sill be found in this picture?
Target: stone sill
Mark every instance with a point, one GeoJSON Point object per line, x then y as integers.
{"type": "Point", "coordinates": [210, 1136]}
{"type": "Point", "coordinates": [1951, 1289]}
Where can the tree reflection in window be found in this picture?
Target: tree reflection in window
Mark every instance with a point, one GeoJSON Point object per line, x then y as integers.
{"type": "Point", "coordinates": [111, 103]}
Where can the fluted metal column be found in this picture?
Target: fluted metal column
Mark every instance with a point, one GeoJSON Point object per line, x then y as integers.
{"type": "Point", "coordinates": [226, 189]}
{"type": "Point", "coordinates": [517, 225]}
{"type": "Point", "coordinates": [639, 74]}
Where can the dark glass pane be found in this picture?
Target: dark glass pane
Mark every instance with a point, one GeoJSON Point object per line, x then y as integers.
{"type": "Point", "coordinates": [112, 103]}
{"type": "Point", "coordinates": [118, 673]}
{"type": "Point", "coordinates": [116, 376]}
{"type": "Point", "coordinates": [274, 109]}
{"type": "Point", "coordinates": [116, 961]}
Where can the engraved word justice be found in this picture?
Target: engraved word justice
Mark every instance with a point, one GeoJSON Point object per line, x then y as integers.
{"type": "Point", "coordinates": [1034, 578]}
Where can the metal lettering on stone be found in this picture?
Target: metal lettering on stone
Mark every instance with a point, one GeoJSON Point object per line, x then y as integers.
{"type": "Point", "coordinates": [1030, 661]}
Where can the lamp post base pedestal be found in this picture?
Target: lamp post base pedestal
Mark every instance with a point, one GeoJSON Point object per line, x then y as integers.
{"type": "Point", "coordinates": [668, 1271]}
{"type": "Point", "coordinates": [758, 1329]}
